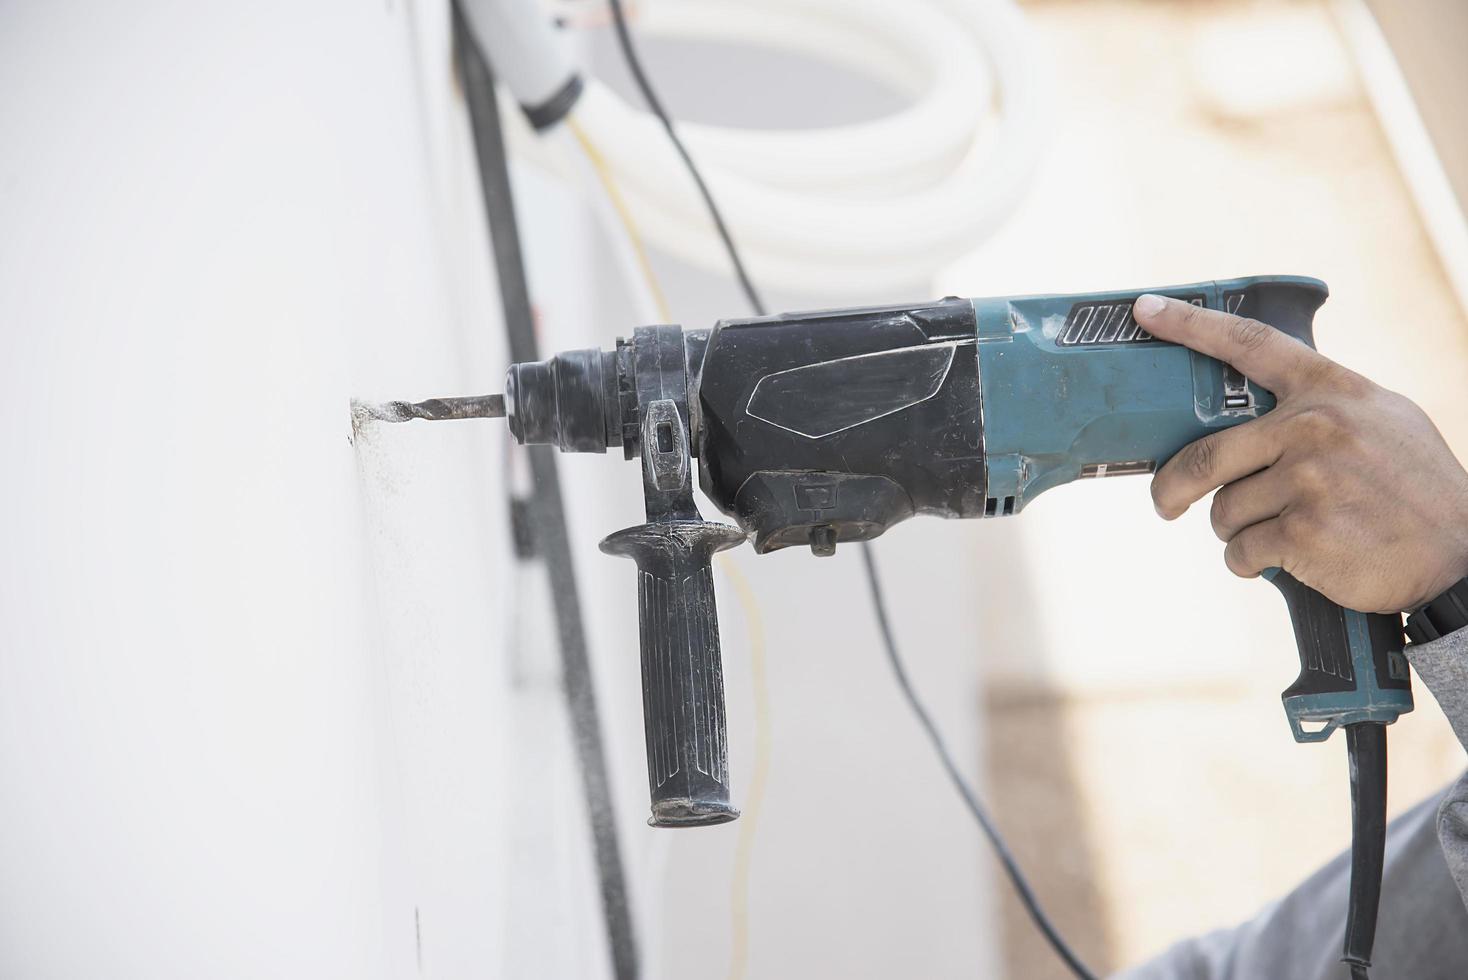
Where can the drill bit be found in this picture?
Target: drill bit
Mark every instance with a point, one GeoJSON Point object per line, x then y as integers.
{"type": "Point", "coordinates": [435, 409]}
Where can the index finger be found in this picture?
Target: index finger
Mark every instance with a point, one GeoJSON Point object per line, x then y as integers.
{"type": "Point", "coordinates": [1273, 359]}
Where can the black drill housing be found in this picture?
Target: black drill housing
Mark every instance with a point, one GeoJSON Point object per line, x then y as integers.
{"type": "Point", "coordinates": [833, 426]}
{"type": "Point", "coordinates": [808, 429]}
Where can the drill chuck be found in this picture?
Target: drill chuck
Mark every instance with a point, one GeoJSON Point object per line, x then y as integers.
{"type": "Point", "coordinates": [568, 401]}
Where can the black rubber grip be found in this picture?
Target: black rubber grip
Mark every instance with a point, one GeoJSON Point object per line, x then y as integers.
{"type": "Point", "coordinates": [1323, 639]}
{"type": "Point", "coordinates": [1287, 306]}
{"type": "Point", "coordinates": [682, 671]}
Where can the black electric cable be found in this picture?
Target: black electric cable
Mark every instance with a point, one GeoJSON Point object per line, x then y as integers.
{"type": "Point", "coordinates": [1366, 755]}
{"type": "Point", "coordinates": [970, 798]}
{"type": "Point", "coordinates": [551, 539]}
{"type": "Point", "coordinates": [879, 606]}
{"type": "Point", "coordinates": [650, 96]}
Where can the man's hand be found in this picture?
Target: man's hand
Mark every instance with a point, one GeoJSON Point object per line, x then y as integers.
{"type": "Point", "coordinates": [1347, 486]}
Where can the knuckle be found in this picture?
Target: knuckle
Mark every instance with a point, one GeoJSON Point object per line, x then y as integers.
{"type": "Point", "coordinates": [1249, 335]}
{"type": "Point", "coordinates": [1320, 372]}
{"type": "Point", "coordinates": [1190, 315]}
{"type": "Point", "coordinates": [1221, 515]}
{"type": "Point", "coordinates": [1317, 374]}
{"type": "Point", "coordinates": [1200, 458]}
{"type": "Point", "coordinates": [1236, 558]}
{"type": "Point", "coordinates": [1391, 404]}
{"type": "Point", "coordinates": [1346, 381]}
{"type": "Point", "coordinates": [1321, 423]}
{"type": "Point", "coordinates": [1299, 531]}
{"type": "Point", "coordinates": [1310, 476]}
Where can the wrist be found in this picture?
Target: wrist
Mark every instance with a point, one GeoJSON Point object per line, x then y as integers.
{"type": "Point", "coordinates": [1453, 567]}
{"type": "Point", "coordinates": [1439, 617]}
{"type": "Point", "coordinates": [1453, 572]}
{"type": "Point", "coordinates": [1456, 567]}
{"type": "Point", "coordinates": [1456, 573]}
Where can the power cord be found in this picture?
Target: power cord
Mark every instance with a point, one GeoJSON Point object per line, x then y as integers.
{"type": "Point", "coordinates": [650, 96]}
{"type": "Point", "coordinates": [1366, 755]}
{"type": "Point", "coordinates": [879, 605]}
{"type": "Point", "coordinates": [970, 798]}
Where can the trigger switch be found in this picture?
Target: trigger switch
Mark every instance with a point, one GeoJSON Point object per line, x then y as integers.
{"type": "Point", "coordinates": [823, 540]}
{"type": "Point", "coordinates": [1236, 396]}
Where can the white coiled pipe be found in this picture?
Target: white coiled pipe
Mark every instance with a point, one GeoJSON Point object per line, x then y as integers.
{"type": "Point", "coordinates": [863, 206]}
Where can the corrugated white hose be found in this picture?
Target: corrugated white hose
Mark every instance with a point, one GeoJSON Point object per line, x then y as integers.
{"type": "Point", "coordinates": [571, 163]}
{"type": "Point", "coordinates": [926, 59]}
{"type": "Point", "coordinates": [856, 207]}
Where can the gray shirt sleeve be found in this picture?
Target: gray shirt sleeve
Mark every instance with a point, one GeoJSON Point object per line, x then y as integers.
{"type": "Point", "coordinates": [1443, 666]}
{"type": "Point", "coordinates": [1422, 931]}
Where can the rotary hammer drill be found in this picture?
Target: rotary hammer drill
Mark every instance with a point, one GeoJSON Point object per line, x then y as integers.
{"type": "Point", "coordinates": [822, 428]}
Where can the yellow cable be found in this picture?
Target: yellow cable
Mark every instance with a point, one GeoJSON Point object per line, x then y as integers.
{"type": "Point", "coordinates": [749, 604]}
{"type": "Point", "coordinates": [749, 820]}
{"type": "Point", "coordinates": [614, 194]}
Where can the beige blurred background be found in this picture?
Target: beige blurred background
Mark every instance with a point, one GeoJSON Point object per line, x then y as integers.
{"type": "Point", "coordinates": [1136, 750]}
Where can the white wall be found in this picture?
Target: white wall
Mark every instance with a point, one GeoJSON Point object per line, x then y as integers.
{"type": "Point", "coordinates": [249, 725]}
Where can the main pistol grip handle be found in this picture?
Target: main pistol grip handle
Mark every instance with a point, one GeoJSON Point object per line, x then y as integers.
{"type": "Point", "coordinates": [1351, 664]}
{"type": "Point", "coordinates": [682, 674]}
{"type": "Point", "coordinates": [1288, 305]}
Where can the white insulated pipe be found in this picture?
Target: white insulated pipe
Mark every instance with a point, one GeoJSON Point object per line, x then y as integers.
{"type": "Point", "coordinates": [862, 206]}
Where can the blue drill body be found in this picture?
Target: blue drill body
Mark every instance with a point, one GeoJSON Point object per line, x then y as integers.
{"type": "Point", "coordinates": [1072, 388]}
{"type": "Point", "coordinates": [832, 426]}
